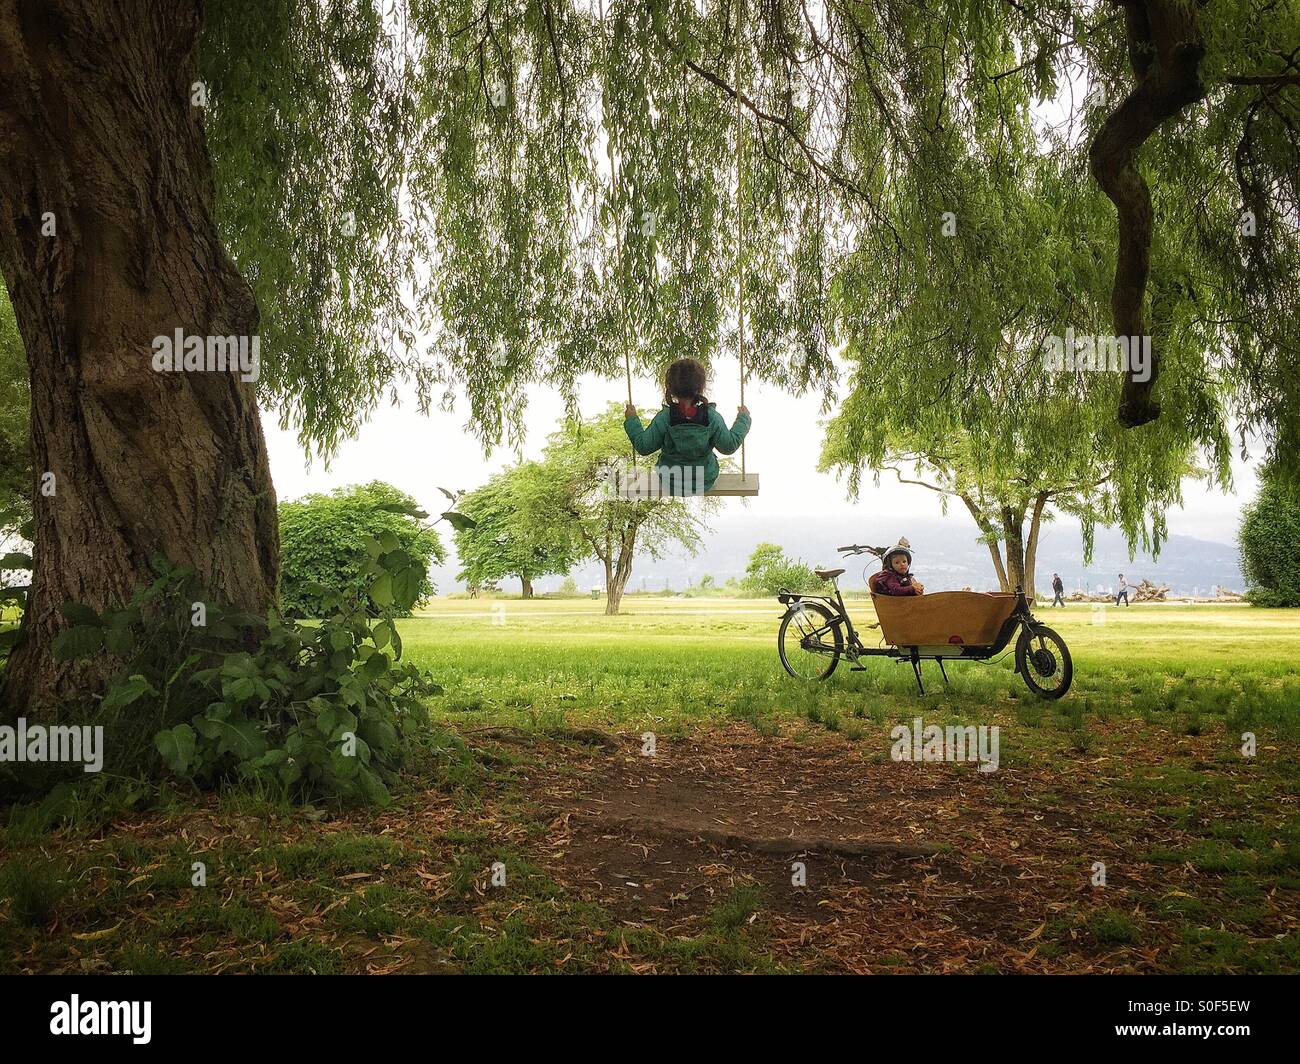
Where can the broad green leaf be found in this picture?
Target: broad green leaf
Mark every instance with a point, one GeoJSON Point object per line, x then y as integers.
{"type": "Point", "coordinates": [128, 691]}
{"type": "Point", "coordinates": [177, 748]}
{"type": "Point", "coordinates": [381, 591]}
{"type": "Point", "coordinates": [79, 642]}
{"type": "Point", "coordinates": [79, 614]}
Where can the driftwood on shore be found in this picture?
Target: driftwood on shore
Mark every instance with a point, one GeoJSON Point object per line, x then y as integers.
{"type": "Point", "coordinates": [1147, 591]}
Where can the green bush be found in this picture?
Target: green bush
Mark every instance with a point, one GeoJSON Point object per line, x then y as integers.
{"type": "Point", "coordinates": [323, 540]}
{"type": "Point", "coordinates": [1270, 544]}
{"type": "Point", "coordinates": [209, 694]}
{"type": "Point", "coordinates": [769, 570]}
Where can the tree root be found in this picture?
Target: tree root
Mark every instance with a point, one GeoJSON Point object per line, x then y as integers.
{"type": "Point", "coordinates": [526, 737]}
{"type": "Point", "coordinates": [793, 844]}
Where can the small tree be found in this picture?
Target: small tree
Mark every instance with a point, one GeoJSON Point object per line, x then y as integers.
{"type": "Point", "coordinates": [612, 529]}
{"type": "Point", "coordinates": [1011, 487]}
{"type": "Point", "coordinates": [1269, 538]}
{"type": "Point", "coordinates": [770, 569]}
{"type": "Point", "coordinates": [323, 540]}
{"type": "Point", "coordinates": [517, 533]}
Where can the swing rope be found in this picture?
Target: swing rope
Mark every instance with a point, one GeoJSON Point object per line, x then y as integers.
{"type": "Point", "coordinates": [741, 257]}
{"type": "Point", "coordinates": [740, 217]}
{"type": "Point", "coordinates": [616, 174]}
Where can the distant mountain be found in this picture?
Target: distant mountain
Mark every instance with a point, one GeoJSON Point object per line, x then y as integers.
{"type": "Point", "coordinates": [948, 556]}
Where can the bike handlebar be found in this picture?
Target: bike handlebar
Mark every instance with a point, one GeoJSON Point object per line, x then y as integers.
{"type": "Point", "coordinates": [859, 548]}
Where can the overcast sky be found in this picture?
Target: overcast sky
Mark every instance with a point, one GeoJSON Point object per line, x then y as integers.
{"type": "Point", "coordinates": [418, 454]}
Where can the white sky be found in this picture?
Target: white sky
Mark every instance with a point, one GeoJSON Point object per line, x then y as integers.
{"type": "Point", "coordinates": [418, 454]}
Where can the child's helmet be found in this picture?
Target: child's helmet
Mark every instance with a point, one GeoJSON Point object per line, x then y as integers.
{"type": "Point", "coordinates": [901, 547]}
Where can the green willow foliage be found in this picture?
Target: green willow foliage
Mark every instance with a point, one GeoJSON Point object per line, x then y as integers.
{"type": "Point", "coordinates": [535, 184]}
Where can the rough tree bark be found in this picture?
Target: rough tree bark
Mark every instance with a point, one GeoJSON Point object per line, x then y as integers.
{"type": "Point", "coordinates": [526, 584]}
{"type": "Point", "coordinates": [1013, 536]}
{"type": "Point", "coordinates": [1031, 545]}
{"type": "Point", "coordinates": [98, 135]}
{"type": "Point", "coordinates": [618, 575]}
{"type": "Point", "coordinates": [1165, 50]}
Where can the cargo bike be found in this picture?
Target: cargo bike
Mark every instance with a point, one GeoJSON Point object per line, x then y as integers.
{"type": "Point", "coordinates": [816, 632]}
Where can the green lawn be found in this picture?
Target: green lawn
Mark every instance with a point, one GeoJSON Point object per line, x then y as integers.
{"type": "Point", "coordinates": [535, 765]}
{"type": "Point", "coordinates": [683, 661]}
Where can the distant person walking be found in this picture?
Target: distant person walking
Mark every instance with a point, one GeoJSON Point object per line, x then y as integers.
{"type": "Point", "coordinates": [1059, 588]}
{"type": "Point", "coordinates": [1122, 593]}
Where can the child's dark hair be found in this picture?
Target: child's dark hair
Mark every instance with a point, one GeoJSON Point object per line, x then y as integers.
{"type": "Point", "coordinates": [686, 379]}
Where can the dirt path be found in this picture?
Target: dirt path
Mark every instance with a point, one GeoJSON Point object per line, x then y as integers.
{"type": "Point", "coordinates": [662, 840]}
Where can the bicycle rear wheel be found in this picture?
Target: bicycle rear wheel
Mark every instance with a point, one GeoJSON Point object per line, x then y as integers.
{"type": "Point", "coordinates": [809, 642]}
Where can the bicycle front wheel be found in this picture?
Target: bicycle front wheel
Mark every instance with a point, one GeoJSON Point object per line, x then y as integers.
{"type": "Point", "coordinates": [1043, 659]}
{"type": "Point", "coordinates": [810, 641]}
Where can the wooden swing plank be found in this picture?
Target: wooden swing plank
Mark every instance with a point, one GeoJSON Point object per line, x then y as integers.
{"type": "Point", "coordinates": [639, 484]}
{"type": "Point", "coordinates": [735, 484]}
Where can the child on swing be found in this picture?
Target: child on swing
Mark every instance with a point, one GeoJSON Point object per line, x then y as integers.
{"type": "Point", "coordinates": [686, 432]}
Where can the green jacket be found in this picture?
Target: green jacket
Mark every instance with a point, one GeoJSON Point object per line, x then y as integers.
{"type": "Point", "coordinates": [688, 442]}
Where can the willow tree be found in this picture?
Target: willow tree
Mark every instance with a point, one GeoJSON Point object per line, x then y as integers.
{"type": "Point", "coordinates": [1002, 239]}
{"type": "Point", "coordinates": [449, 196]}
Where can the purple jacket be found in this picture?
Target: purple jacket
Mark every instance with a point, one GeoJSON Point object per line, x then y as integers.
{"type": "Point", "coordinates": [889, 582]}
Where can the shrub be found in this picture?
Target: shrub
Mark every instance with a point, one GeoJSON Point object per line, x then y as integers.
{"type": "Point", "coordinates": [209, 694]}
{"type": "Point", "coordinates": [1270, 544]}
{"type": "Point", "coordinates": [769, 570]}
{"type": "Point", "coordinates": [323, 540]}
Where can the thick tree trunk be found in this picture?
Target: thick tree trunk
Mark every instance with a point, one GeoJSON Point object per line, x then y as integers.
{"type": "Point", "coordinates": [613, 591]}
{"type": "Point", "coordinates": [99, 140]}
{"type": "Point", "coordinates": [527, 584]}
{"type": "Point", "coordinates": [1165, 51]}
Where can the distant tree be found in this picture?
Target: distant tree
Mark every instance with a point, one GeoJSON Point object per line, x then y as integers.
{"type": "Point", "coordinates": [1012, 487]}
{"type": "Point", "coordinates": [612, 530]}
{"type": "Point", "coordinates": [770, 569]}
{"type": "Point", "coordinates": [517, 532]}
{"type": "Point", "coordinates": [15, 461]}
{"type": "Point", "coordinates": [1269, 538]}
{"type": "Point", "coordinates": [323, 538]}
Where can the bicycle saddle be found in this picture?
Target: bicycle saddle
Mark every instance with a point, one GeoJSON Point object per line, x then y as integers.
{"type": "Point", "coordinates": [827, 574]}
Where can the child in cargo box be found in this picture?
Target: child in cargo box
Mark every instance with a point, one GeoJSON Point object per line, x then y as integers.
{"type": "Point", "coordinates": [896, 577]}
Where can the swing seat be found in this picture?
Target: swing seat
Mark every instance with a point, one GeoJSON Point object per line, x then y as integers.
{"type": "Point", "coordinates": [735, 484]}
{"type": "Point", "coordinates": [641, 484]}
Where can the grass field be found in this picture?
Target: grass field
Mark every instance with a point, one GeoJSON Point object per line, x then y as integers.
{"type": "Point", "coordinates": [535, 834]}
